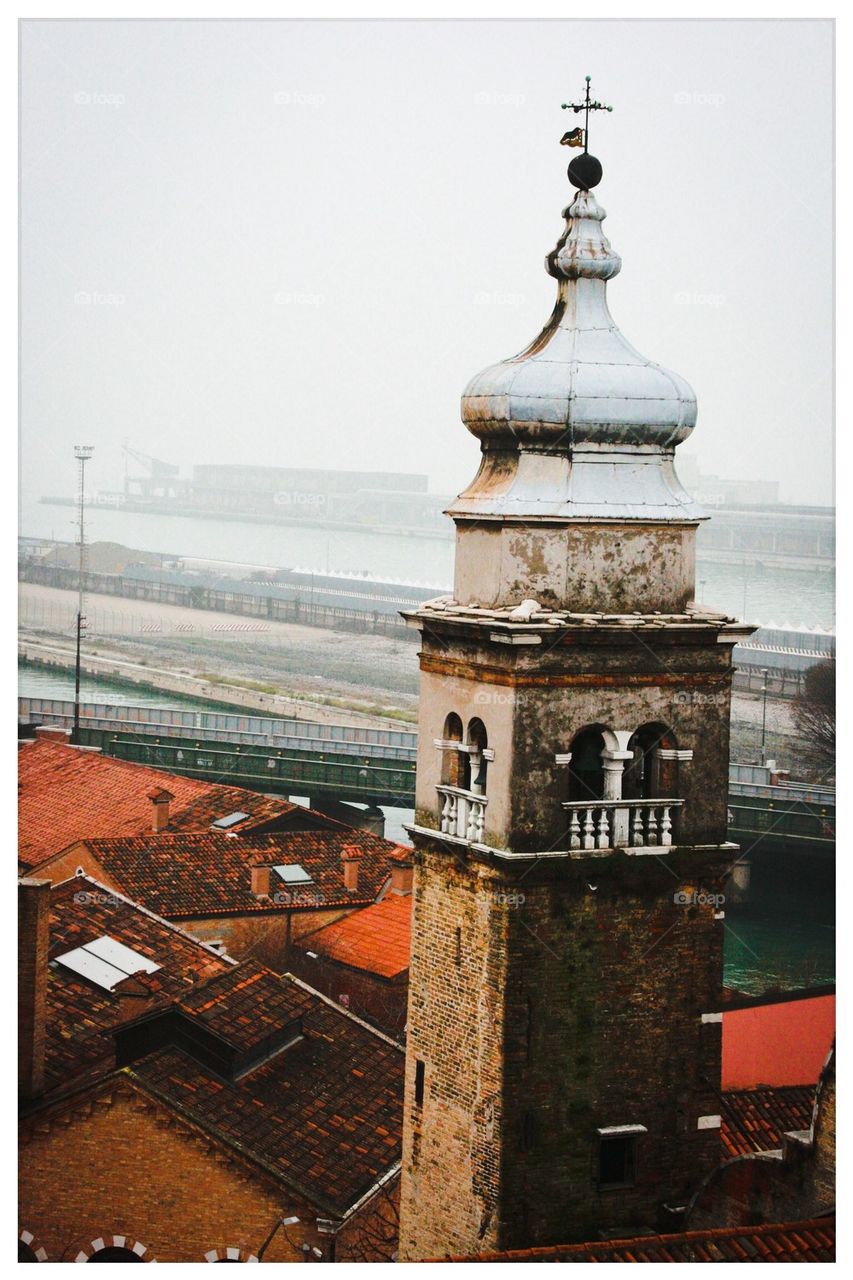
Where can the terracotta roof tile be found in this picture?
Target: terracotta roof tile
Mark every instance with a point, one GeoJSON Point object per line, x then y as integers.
{"type": "Point", "coordinates": [321, 1107]}
{"type": "Point", "coordinates": [186, 874]}
{"type": "Point", "coordinates": [376, 939]}
{"type": "Point", "coordinates": [755, 1119]}
{"type": "Point", "coordinates": [80, 1015]}
{"type": "Point", "coordinates": [327, 1111]}
{"type": "Point", "coordinates": [67, 795]}
{"type": "Point", "coordinates": [811, 1241]}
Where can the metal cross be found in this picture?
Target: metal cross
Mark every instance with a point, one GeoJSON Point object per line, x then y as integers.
{"type": "Point", "coordinates": [586, 106]}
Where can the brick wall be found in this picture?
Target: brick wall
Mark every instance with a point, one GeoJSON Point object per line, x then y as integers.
{"type": "Point", "coordinates": [262, 936]}
{"type": "Point", "coordinates": [450, 1179]}
{"type": "Point", "coordinates": [122, 1165]}
{"type": "Point", "coordinates": [558, 1008]}
{"type": "Point", "coordinates": [33, 943]}
{"type": "Point", "coordinates": [380, 1001]}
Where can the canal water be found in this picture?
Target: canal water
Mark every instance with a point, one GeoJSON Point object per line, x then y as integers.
{"type": "Point", "coordinates": [785, 939]}
{"type": "Point", "coordinates": [42, 682]}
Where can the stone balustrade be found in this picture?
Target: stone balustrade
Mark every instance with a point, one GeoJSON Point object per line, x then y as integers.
{"type": "Point", "coordinates": [621, 824]}
{"type": "Point", "coordinates": [463, 813]}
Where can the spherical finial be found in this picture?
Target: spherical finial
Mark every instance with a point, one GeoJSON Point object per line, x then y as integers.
{"type": "Point", "coordinates": [585, 172]}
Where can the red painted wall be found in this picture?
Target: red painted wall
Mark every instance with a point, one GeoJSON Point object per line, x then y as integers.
{"type": "Point", "coordinates": [777, 1044]}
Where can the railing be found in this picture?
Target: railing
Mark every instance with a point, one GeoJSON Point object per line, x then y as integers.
{"type": "Point", "coordinates": [463, 814]}
{"type": "Point", "coordinates": [621, 824]}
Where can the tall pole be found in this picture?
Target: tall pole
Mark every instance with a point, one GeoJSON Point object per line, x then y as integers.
{"type": "Point", "coordinates": [764, 673]}
{"type": "Point", "coordinates": [82, 452]}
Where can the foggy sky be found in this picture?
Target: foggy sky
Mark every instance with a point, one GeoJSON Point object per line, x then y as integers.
{"type": "Point", "coordinates": [293, 243]}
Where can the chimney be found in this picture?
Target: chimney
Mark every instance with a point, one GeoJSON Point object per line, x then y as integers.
{"type": "Point", "coordinates": [350, 858]}
{"type": "Point", "coordinates": [53, 733]}
{"type": "Point", "coordinates": [33, 943]}
{"type": "Point", "coordinates": [161, 800]}
{"type": "Point", "coordinates": [261, 877]}
{"type": "Point", "coordinates": [402, 874]}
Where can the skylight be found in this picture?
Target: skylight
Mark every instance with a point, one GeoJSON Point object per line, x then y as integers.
{"type": "Point", "coordinates": [229, 820]}
{"type": "Point", "coordinates": [295, 873]}
{"type": "Point", "coordinates": [106, 962]}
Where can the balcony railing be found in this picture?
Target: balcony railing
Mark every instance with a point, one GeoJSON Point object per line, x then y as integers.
{"type": "Point", "coordinates": [621, 824]}
{"type": "Point", "coordinates": [463, 813]}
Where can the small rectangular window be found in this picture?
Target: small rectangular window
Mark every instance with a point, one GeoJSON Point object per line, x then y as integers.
{"type": "Point", "coordinates": [617, 1159]}
{"type": "Point", "coordinates": [420, 1075]}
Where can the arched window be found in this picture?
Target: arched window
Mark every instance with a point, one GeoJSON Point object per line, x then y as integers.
{"type": "Point", "coordinates": [475, 760]}
{"type": "Point", "coordinates": [29, 1249]}
{"type": "Point", "coordinates": [452, 762]}
{"type": "Point", "coordinates": [113, 1248]}
{"type": "Point", "coordinates": [114, 1253]}
{"type": "Point", "coordinates": [644, 779]}
{"type": "Point", "coordinates": [586, 775]}
{"type": "Point", "coordinates": [232, 1253]}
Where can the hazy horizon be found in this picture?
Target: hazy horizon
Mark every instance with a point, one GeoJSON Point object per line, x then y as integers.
{"type": "Point", "coordinates": [293, 243]}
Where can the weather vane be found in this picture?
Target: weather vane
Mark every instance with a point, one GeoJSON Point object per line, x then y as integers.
{"type": "Point", "coordinates": [584, 171]}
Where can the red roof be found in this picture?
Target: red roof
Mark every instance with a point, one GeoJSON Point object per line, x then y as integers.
{"type": "Point", "coordinates": [376, 939]}
{"type": "Point", "coordinates": [809, 1241]}
{"type": "Point", "coordinates": [66, 795]}
{"type": "Point", "coordinates": [81, 1015]}
{"type": "Point", "coordinates": [186, 874]}
{"type": "Point", "coordinates": [781, 1040]}
{"type": "Point", "coordinates": [262, 1064]}
{"type": "Point", "coordinates": [756, 1119]}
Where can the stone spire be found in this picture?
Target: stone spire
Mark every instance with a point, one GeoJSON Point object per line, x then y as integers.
{"type": "Point", "coordinates": [607, 418]}
{"type": "Point", "coordinates": [577, 428]}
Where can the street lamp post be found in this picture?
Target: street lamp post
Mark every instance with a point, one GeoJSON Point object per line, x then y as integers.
{"type": "Point", "coordinates": [764, 674]}
{"type": "Point", "coordinates": [280, 1222]}
{"type": "Point", "coordinates": [82, 452]}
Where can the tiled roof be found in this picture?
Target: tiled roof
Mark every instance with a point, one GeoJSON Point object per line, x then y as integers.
{"type": "Point", "coordinates": [187, 875]}
{"type": "Point", "coordinates": [376, 939]}
{"type": "Point", "coordinates": [755, 1119]}
{"type": "Point", "coordinates": [810, 1241]}
{"type": "Point", "coordinates": [326, 1112]}
{"type": "Point", "coordinates": [80, 1015]}
{"type": "Point", "coordinates": [244, 1005]}
{"type": "Point", "coordinates": [66, 795]}
{"type": "Point", "coordinates": [321, 1110]}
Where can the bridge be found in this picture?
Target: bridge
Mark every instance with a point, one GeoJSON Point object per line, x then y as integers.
{"type": "Point", "coordinates": [326, 763]}
{"type": "Point", "coordinates": [282, 756]}
{"type": "Point", "coordinates": [780, 817]}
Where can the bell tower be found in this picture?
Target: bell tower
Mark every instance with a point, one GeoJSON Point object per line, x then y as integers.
{"type": "Point", "coordinates": [564, 1028]}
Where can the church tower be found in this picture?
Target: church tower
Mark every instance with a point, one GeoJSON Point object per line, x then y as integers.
{"type": "Point", "coordinates": [564, 1029]}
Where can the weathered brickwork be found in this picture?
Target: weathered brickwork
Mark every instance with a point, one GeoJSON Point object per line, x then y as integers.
{"type": "Point", "coordinates": [553, 997]}
{"type": "Point", "coordinates": [561, 1009]}
{"type": "Point", "coordinates": [451, 1151]}
{"type": "Point", "coordinates": [129, 1168]}
{"type": "Point", "coordinates": [533, 703]}
{"type": "Point", "coordinates": [380, 1001]}
{"type": "Point", "coordinates": [262, 936]}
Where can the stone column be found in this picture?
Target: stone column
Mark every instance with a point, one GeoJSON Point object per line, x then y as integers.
{"type": "Point", "coordinates": [613, 763]}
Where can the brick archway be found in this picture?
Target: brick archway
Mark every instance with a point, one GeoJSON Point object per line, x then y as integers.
{"type": "Point", "coordinates": [27, 1239]}
{"type": "Point", "coordinates": [87, 1251]}
{"type": "Point", "coordinates": [230, 1253]}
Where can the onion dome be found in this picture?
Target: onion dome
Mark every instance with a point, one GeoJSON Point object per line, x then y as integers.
{"type": "Point", "coordinates": [581, 395]}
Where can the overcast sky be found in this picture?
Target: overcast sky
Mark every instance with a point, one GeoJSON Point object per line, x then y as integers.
{"type": "Point", "coordinates": [294, 243]}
